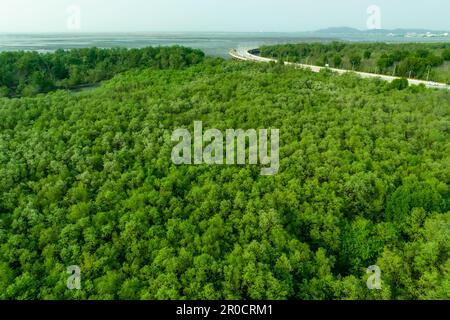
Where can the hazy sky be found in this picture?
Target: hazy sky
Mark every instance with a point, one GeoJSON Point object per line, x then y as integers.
{"type": "Point", "coordinates": [217, 15]}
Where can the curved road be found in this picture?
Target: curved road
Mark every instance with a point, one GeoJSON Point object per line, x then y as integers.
{"type": "Point", "coordinates": [246, 55]}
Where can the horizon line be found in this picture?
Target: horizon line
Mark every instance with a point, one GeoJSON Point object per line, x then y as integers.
{"type": "Point", "coordinates": [216, 31]}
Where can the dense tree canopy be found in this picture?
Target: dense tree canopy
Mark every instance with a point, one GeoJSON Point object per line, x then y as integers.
{"type": "Point", "coordinates": [427, 61]}
{"type": "Point", "coordinates": [28, 73]}
{"type": "Point", "coordinates": [87, 180]}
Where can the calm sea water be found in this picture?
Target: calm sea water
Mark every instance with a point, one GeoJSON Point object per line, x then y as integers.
{"type": "Point", "coordinates": [217, 44]}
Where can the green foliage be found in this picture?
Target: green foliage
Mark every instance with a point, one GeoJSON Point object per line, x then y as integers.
{"type": "Point", "coordinates": [399, 84]}
{"type": "Point", "coordinates": [446, 54]}
{"type": "Point", "coordinates": [355, 60]}
{"type": "Point", "coordinates": [425, 61]}
{"type": "Point", "coordinates": [29, 73]}
{"type": "Point", "coordinates": [384, 62]}
{"type": "Point", "coordinates": [88, 180]}
{"type": "Point", "coordinates": [337, 61]}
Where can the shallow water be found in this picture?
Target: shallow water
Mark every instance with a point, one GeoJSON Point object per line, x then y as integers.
{"type": "Point", "coordinates": [217, 44]}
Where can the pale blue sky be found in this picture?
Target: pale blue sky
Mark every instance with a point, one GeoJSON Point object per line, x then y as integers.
{"type": "Point", "coordinates": [219, 15]}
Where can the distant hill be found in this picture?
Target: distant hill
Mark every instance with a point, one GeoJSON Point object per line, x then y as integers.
{"type": "Point", "coordinates": [349, 30]}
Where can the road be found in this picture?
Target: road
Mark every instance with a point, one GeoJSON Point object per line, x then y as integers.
{"type": "Point", "coordinates": [246, 55]}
